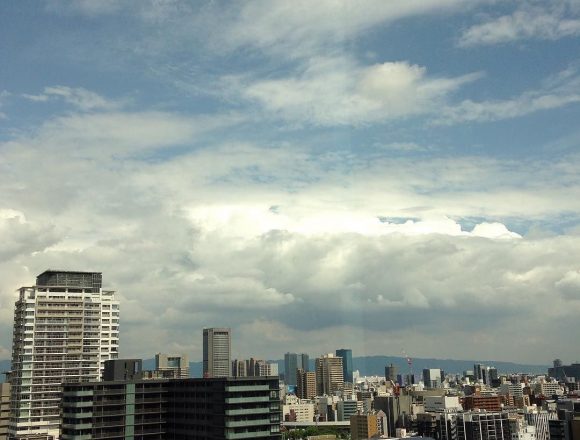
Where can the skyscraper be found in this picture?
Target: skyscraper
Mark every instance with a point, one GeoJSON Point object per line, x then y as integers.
{"type": "Point", "coordinates": [329, 378]}
{"type": "Point", "coordinates": [293, 362]}
{"type": "Point", "coordinates": [391, 373]}
{"type": "Point", "coordinates": [306, 386]}
{"type": "Point", "coordinates": [217, 348]}
{"type": "Point", "coordinates": [346, 355]}
{"type": "Point", "coordinates": [65, 328]}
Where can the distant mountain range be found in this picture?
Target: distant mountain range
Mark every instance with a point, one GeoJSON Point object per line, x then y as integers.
{"type": "Point", "coordinates": [375, 365]}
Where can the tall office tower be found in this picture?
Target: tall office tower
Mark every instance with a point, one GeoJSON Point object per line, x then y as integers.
{"type": "Point", "coordinates": [239, 368]}
{"type": "Point", "coordinates": [306, 386]}
{"type": "Point", "coordinates": [346, 355]}
{"type": "Point", "coordinates": [391, 373]}
{"type": "Point", "coordinates": [174, 366]}
{"type": "Point", "coordinates": [293, 362]}
{"type": "Point", "coordinates": [65, 328]}
{"type": "Point", "coordinates": [478, 370]}
{"type": "Point", "coordinates": [432, 377]}
{"type": "Point", "coordinates": [329, 377]}
{"type": "Point", "coordinates": [217, 348]}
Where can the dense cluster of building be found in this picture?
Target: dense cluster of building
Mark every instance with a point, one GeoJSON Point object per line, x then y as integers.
{"type": "Point", "coordinates": [67, 382]}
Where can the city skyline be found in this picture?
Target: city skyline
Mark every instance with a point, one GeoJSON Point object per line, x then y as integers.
{"type": "Point", "coordinates": [382, 176]}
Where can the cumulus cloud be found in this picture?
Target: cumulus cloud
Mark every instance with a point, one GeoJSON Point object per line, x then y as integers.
{"type": "Point", "coordinates": [558, 19]}
{"type": "Point", "coordinates": [309, 255]}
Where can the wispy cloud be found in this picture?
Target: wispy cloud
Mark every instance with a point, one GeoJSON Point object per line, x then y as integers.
{"type": "Point", "coordinates": [78, 97]}
{"type": "Point", "coordinates": [558, 91]}
{"type": "Point", "coordinates": [532, 20]}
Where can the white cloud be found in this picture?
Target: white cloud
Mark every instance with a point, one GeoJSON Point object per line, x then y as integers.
{"type": "Point", "coordinates": [114, 133]}
{"type": "Point", "coordinates": [337, 91]}
{"type": "Point", "coordinates": [302, 28]}
{"type": "Point", "coordinates": [558, 91]}
{"type": "Point", "coordinates": [78, 97]}
{"type": "Point", "coordinates": [551, 21]}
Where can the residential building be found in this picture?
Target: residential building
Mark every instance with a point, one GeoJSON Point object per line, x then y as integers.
{"type": "Point", "coordinates": [363, 426]}
{"type": "Point", "coordinates": [488, 403]}
{"type": "Point", "coordinates": [512, 389]}
{"type": "Point", "coordinates": [293, 362]}
{"type": "Point", "coordinates": [298, 410]}
{"type": "Point", "coordinates": [4, 409]}
{"type": "Point", "coordinates": [217, 348]}
{"type": "Point", "coordinates": [65, 328]}
{"type": "Point", "coordinates": [203, 409]}
{"type": "Point", "coordinates": [172, 365]}
{"type": "Point", "coordinates": [329, 374]}
{"type": "Point", "coordinates": [306, 387]}
{"type": "Point", "coordinates": [347, 368]}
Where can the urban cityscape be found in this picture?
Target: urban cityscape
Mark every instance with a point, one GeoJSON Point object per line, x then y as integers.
{"type": "Point", "coordinates": [68, 381]}
{"type": "Point", "coordinates": [289, 219]}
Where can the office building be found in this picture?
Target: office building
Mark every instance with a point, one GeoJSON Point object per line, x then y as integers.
{"type": "Point", "coordinates": [483, 425]}
{"type": "Point", "coordinates": [562, 372]}
{"type": "Point", "coordinates": [172, 366]}
{"type": "Point", "coordinates": [123, 369]}
{"type": "Point", "coordinates": [293, 362]}
{"type": "Point", "coordinates": [306, 387]}
{"type": "Point", "coordinates": [539, 419]}
{"type": "Point", "coordinates": [432, 377]}
{"type": "Point", "coordinates": [239, 368]}
{"type": "Point", "coordinates": [329, 378]}
{"type": "Point", "coordinates": [346, 355]}
{"type": "Point", "coordinates": [203, 409]}
{"type": "Point", "coordinates": [4, 409]}
{"type": "Point", "coordinates": [65, 328]}
{"type": "Point", "coordinates": [347, 408]}
{"type": "Point", "coordinates": [391, 373]}
{"type": "Point", "coordinates": [217, 348]}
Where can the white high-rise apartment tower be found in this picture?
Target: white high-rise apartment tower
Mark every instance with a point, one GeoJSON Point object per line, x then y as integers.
{"type": "Point", "coordinates": [217, 349]}
{"type": "Point", "coordinates": [65, 327]}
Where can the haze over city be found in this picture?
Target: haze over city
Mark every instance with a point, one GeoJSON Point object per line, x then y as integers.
{"type": "Point", "coordinates": [381, 175]}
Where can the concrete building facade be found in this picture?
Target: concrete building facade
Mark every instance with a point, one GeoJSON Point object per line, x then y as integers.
{"type": "Point", "coordinates": [174, 366]}
{"type": "Point", "coordinates": [217, 349]}
{"type": "Point", "coordinates": [329, 374]}
{"type": "Point", "coordinates": [177, 409]}
{"type": "Point", "coordinates": [65, 327]}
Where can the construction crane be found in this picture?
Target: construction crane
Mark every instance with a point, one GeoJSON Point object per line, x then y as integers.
{"type": "Point", "coordinates": [409, 362]}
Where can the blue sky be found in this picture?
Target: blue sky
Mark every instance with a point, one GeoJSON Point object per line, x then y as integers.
{"type": "Point", "coordinates": [313, 175]}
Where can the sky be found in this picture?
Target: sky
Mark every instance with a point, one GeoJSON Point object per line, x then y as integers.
{"type": "Point", "coordinates": [383, 175]}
